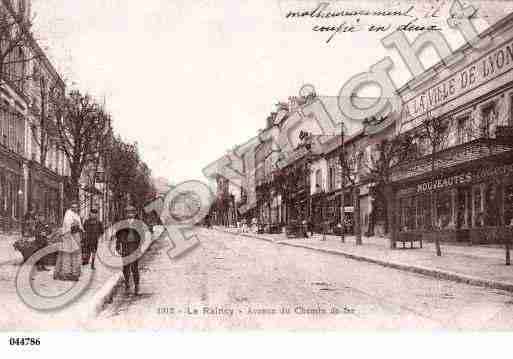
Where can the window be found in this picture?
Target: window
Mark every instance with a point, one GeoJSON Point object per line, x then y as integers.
{"type": "Point", "coordinates": [331, 179]}
{"type": "Point", "coordinates": [478, 213]}
{"type": "Point", "coordinates": [318, 180]}
{"type": "Point", "coordinates": [464, 208]}
{"type": "Point", "coordinates": [508, 204]}
{"type": "Point", "coordinates": [443, 209]}
{"type": "Point", "coordinates": [424, 212]}
{"type": "Point", "coordinates": [463, 130]}
{"type": "Point", "coordinates": [491, 215]}
{"type": "Point", "coordinates": [21, 7]}
{"type": "Point", "coordinates": [407, 206]}
{"type": "Point", "coordinates": [489, 120]}
{"type": "Point", "coordinates": [510, 120]}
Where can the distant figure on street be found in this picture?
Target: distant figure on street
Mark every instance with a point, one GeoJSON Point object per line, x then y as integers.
{"type": "Point", "coordinates": [244, 225]}
{"type": "Point", "coordinates": [128, 242]}
{"type": "Point", "coordinates": [254, 225]}
{"type": "Point", "coordinates": [69, 259]}
{"type": "Point", "coordinates": [93, 228]}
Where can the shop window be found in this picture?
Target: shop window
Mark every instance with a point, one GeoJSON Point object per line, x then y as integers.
{"type": "Point", "coordinates": [407, 212]}
{"type": "Point", "coordinates": [443, 209]}
{"type": "Point", "coordinates": [424, 212]}
{"type": "Point", "coordinates": [464, 215]}
{"type": "Point", "coordinates": [508, 204]}
{"type": "Point", "coordinates": [478, 213]}
{"type": "Point", "coordinates": [491, 215]}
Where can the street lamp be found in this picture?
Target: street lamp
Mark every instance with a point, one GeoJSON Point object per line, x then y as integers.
{"type": "Point", "coordinates": [342, 184]}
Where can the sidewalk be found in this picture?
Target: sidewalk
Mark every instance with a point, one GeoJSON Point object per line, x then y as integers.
{"type": "Point", "coordinates": [16, 316]}
{"type": "Point", "coordinates": [8, 255]}
{"type": "Point", "coordinates": [476, 265]}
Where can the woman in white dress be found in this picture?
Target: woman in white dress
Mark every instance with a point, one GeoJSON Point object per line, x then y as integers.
{"type": "Point", "coordinates": [69, 258]}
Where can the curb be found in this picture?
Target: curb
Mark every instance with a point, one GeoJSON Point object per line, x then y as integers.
{"type": "Point", "coordinates": [245, 235]}
{"type": "Point", "coordinates": [436, 273]}
{"type": "Point", "coordinates": [18, 260]}
{"type": "Point", "coordinates": [104, 295]}
{"type": "Point", "coordinates": [108, 290]}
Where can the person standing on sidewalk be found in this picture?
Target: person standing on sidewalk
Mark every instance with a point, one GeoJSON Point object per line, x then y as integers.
{"type": "Point", "coordinates": [128, 242]}
{"type": "Point", "coordinates": [69, 259]}
{"type": "Point", "coordinates": [93, 228]}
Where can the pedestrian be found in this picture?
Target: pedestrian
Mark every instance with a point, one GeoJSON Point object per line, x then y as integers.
{"type": "Point", "coordinates": [128, 242]}
{"type": "Point", "coordinates": [254, 225]}
{"type": "Point", "coordinates": [69, 258]}
{"type": "Point", "coordinates": [41, 232]}
{"type": "Point", "coordinates": [244, 225]}
{"type": "Point", "coordinates": [93, 228]}
{"type": "Point", "coordinates": [29, 222]}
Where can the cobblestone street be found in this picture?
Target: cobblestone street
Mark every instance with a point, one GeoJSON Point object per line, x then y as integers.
{"type": "Point", "coordinates": [234, 282]}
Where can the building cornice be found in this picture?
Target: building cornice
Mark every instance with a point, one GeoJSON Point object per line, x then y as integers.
{"type": "Point", "coordinates": [503, 24]}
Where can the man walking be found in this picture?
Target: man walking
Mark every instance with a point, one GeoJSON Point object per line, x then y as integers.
{"type": "Point", "coordinates": [128, 243]}
{"type": "Point", "coordinates": [93, 228]}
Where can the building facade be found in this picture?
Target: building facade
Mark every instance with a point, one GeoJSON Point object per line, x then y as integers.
{"type": "Point", "coordinates": [27, 76]}
{"type": "Point", "coordinates": [461, 191]}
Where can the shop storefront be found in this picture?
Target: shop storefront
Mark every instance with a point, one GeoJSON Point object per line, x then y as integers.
{"type": "Point", "coordinates": [45, 193]}
{"type": "Point", "coordinates": [11, 195]}
{"type": "Point", "coordinates": [460, 204]}
{"type": "Point", "coordinates": [466, 192]}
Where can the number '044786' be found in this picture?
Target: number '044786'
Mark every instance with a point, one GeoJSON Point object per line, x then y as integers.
{"type": "Point", "coordinates": [26, 341]}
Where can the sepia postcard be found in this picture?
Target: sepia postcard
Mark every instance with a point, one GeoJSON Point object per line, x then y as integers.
{"type": "Point", "coordinates": [277, 165]}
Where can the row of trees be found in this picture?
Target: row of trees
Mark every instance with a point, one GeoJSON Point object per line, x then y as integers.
{"type": "Point", "coordinates": [74, 123]}
{"type": "Point", "coordinates": [428, 139]}
{"type": "Point", "coordinates": [80, 128]}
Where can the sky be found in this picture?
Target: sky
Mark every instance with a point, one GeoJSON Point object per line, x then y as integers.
{"type": "Point", "coordinates": [190, 79]}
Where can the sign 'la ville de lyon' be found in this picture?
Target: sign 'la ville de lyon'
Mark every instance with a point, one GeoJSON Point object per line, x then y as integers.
{"type": "Point", "coordinates": [487, 67]}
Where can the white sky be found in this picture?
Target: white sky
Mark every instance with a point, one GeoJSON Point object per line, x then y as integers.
{"type": "Point", "coordinates": [189, 79]}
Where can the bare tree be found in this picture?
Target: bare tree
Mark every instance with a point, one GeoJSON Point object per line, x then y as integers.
{"type": "Point", "coordinates": [351, 163]}
{"type": "Point", "coordinates": [433, 134]}
{"type": "Point", "coordinates": [43, 127]}
{"type": "Point", "coordinates": [82, 129]}
{"type": "Point", "coordinates": [386, 154]}
{"type": "Point", "coordinates": [15, 40]}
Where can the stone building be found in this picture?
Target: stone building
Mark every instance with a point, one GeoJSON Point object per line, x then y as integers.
{"type": "Point", "coordinates": [27, 76]}
{"type": "Point", "coordinates": [463, 191]}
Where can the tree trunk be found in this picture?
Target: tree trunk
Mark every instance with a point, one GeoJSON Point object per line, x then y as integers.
{"type": "Point", "coordinates": [357, 216]}
{"type": "Point", "coordinates": [433, 211]}
{"type": "Point", "coordinates": [390, 212]}
{"type": "Point", "coordinates": [342, 216]}
{"type": "Point", "coordinates": [74, 182]}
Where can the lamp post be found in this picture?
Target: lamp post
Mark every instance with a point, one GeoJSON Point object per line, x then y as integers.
{"type": "Point", "coordinates": [20, 206]}
{"type": "Point", "coordinates": [342, 185]}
